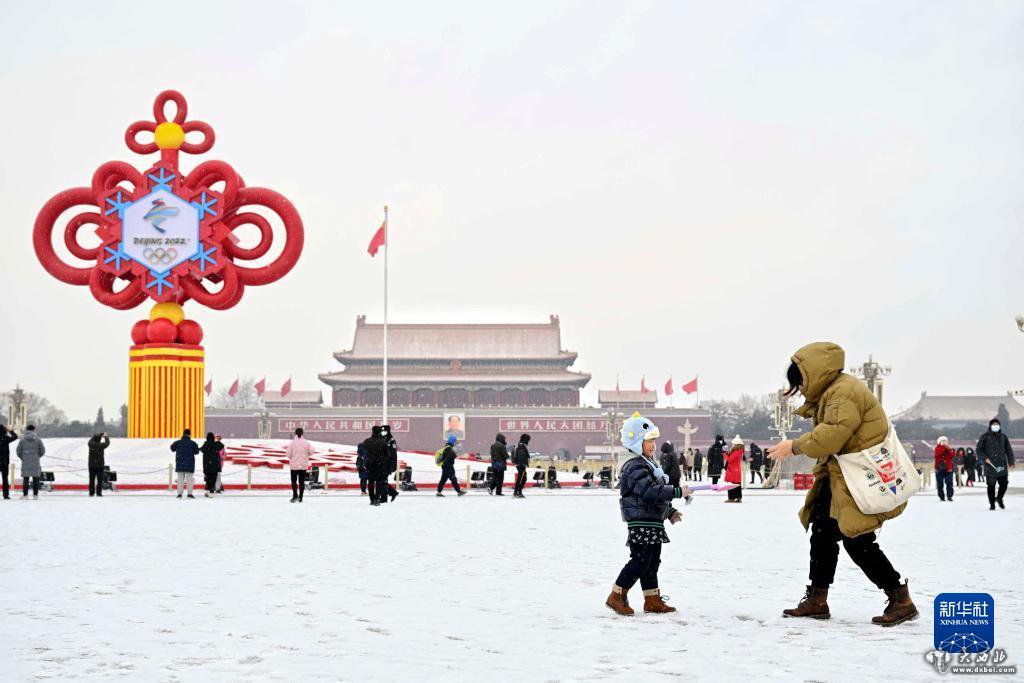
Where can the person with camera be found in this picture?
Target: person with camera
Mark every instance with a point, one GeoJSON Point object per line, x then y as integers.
{"type": "Point", "coordinates": [7, 437]}
{"type": "Point", "coordinates": [97, 445]}
{"type": "Point", "coordinates": [211, 450]}
{"type": "Point", "coordinates": [521, 459]}
{"type": "Point", "coordinates": [185, 451]}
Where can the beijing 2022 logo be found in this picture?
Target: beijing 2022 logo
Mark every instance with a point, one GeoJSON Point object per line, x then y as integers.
{"type": "Point", "coordinates": [965, 635]}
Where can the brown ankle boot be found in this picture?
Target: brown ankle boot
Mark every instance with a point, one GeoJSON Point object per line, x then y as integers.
{"type": "Point", "coordinates": [618, 602]}
{"type": "Point", "coordinates": [900, 607]}
{"type": "Point", "coordinates": [653, 602]}
{"type": "Point", "coordinates": [813, 605]}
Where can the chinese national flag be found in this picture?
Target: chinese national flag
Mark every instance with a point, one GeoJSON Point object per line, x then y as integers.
{"type": "Point", "coordinates": [286, 388]}
{"type": "Point", "coordinates": [691, 386]}
{"type": "Point", "coordinates": [234, 388]}
{"type": "Point", "coordinates": [260, 386]}
{"type": "Point", "coordinates": [380, 239]}
{"type": "Point", "coordinates": [209, 387]}
{"type": "Point", "coordinates": [643, 385]}
{"type": "Point", "coordinates": [668, 387]}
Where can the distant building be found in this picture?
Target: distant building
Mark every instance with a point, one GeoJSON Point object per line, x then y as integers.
{"type": "Point", "coordinates": [957, 411]}
{"type": "Point", "coordinates": [627, 400]}
{"type": "Point", "coordinates": [470, 381]}
{"type": "Point", "coordinates": [293, 399]}
{"type": "Point", "coordinates": [458, 366]}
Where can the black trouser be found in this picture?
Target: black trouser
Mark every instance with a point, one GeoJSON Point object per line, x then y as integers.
{"type": "Point", "coordinates": [863, 549]}
{"type": "Point", "coordinates": [689, 473]}
{"type": "Point", "coordinates": [6, 482]}
{"type": "Point", "coordinates": [520, 479]}
{"type": "Point", "coordinates": [448, 474]}
{"type": "Point", "coordinates": [714, 478]}
{"type": "Point", "coordinates": [210, 480]}
{"type": "Point", "coordinates": [993, 496]}
{"type": "Point", "coordinates": [385, 489]}
{"type": "Point", "coordinates": [35, 485]}
{"type": "Point", "coordinates": [736, 493]}
{"type": "Point", "coordinates": [643, 564]}
{"type": "Point", "coordinates": [757, 471]}
{"type": "Point", "coordinates": [697, 474]}
{"type": "Point", "coordinates": [378, 489]}
{"type": "Point", "coordinates": [298, 483]}
{"type": "Point", "coordinates": [362, 482]}
{"type": "Point", "coordinates": [96, 481]}
{"type": "Point", "coordinates": [498, 481]}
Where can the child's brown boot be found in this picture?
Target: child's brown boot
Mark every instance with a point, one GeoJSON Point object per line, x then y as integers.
{"type": "Point", "coordinates": [653, 602]}
{"type": "Point", "coordinates": [618, 602]}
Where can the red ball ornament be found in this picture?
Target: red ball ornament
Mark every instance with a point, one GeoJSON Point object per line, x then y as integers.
{"type": "Point", "coordinates": [140, 332]}
{"type": "Point", "coordinates": [189, 332]}
{"type": "Point", "coordinates": [162, 331]}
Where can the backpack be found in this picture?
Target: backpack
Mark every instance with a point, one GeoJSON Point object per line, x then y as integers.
{"type": "Point", "coordinates": [439, 455]}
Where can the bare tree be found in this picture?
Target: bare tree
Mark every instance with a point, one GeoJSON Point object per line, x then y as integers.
{"type": "Point", "coordinates": [40, 410]}
{"type": "Point", "coordinates": [245, 398]}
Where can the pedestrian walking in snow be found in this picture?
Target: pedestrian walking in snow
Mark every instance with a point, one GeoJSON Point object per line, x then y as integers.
{"type": "Point", "coordinates": [734, 471]}
{"type": "Point", "coordinates": [447, 462]}
{"type": "Point", "coordinates": [220, 464]}
{"type": "Point", "coordinates": [847, 418]}
{"type": "Point", "coordinates": [970, 466]}
{"type": "Point", "coordinates": [979, 467]}
{"type": "Point", "coordinates": [388, 491]}
{"type": "Point", "coordinates": [996, 454]}
{"type": "Point", "coordinates": [716, 458]}
{"type": "Point", "coordinates": [688, 466]}
{"type": "Point", "coordinates": [958, 464]}
{"type": "Point", "coordinates": [299, 452]}
{"type": "Point", "coordinates": [361, 467]}
{"type": "Point", "coordinates": [645, 501]}
{"type": "Point", "coordinates": [698, 465]}
{"type": "Point", "coordinates": [185, 451]}
{"type": "Point", "coordinates": [670, 463]}
{"type": "Point", "coordinates": [98, 443]}
{"type": "Point", "coordinates": [211, 450]}
{"type": "Point", "coordinates": [7, 437]}
{"type": "Point", "coordinates": [756, 462]}
{"type": "Point", "coordinates": [376, 448]}
{"type": "Point", "coordinates": [30, 450]}
{"type": "Point", "coordinates": [499, 461]}
{"type": "Point", "coordinates": [944, 469]}
{"type": "Point", "coordinates": [521, 459]}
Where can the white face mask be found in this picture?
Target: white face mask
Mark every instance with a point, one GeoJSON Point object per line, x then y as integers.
{"type": "Point", "coordinates": [994, 428]}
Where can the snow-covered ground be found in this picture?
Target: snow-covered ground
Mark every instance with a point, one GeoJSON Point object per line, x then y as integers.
{"type": "Point", "coordinates": [247, 586]}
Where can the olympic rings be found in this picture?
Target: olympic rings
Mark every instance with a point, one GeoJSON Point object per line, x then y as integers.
{"type": "Point", "coordinates": [159, 256]}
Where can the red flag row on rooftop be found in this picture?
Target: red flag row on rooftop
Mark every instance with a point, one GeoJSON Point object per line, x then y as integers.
{"type": "Point", "coordinates": [260, 387]}
{"type": "Point", "coordinates": [688, 388]}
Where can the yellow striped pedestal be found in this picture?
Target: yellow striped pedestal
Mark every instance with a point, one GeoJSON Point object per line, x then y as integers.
{"type": "Point", "coordinates": [165, 390]}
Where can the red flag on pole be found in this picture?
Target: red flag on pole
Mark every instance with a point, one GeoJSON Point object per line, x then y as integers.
{"type": "Point", "coordinates": [286, 388]}
{"type": "Point", "coordinates": [260, 386]}
{"type": "Point", "coordinates": [616, 384]}
{"type": "Point", "coordinates": [691, 386]}
{"type": "Point", "coordinates": [668, 387]}
{"type": "Point", "coordinates": [643, 385]}
{"type": "Point", "coordinates": [380, 239]}
{"type": "Point", "coordinates": [209, 387]}
{"type": "Point", "coordinates": [234, 388]}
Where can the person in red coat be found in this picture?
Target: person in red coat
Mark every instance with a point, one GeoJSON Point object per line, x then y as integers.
{"type": "Point", "coordinates": [734, 471]}
{"type": "Point", "coordinates": [944, 469]}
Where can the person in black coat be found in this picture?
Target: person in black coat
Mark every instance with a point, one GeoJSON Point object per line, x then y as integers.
{"type": "Point", "coordinates": [698, 465]}
{"type": "Point", "coordinates": [970, 465]}
{"type": "Point", "coordinates": [97, 445]}
{"type": "Point", "coordinates": [499, 461]}
{"type": "Point", "coordinates": [716, 458]}
{"type": "Point", "coordinates": [448, 468]}
{"type": "Point", "coordinates": [670, 463]}
{"type": "Point", "coordinates": [185, 451]}
{"type": "Point", "coordinates": [211, 449]}
{"type": "Point", "coordinates": [756, 462]}
{"type": "Point", "coordinates": [361, 466]}
{"type": "Point", "coordinates": [7, 437]}
{"type": "Point", "coordinates": [521, 459]}
{"type": "Point", "coordinates": [377, 458]}
{"type": "Point", "coordinates": [996, 454]}
{"type": "Point", "coordinates": [392, 445]}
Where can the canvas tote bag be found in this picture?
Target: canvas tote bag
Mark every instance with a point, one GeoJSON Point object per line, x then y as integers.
{"type": "Point", "coordinates": [880, 478]}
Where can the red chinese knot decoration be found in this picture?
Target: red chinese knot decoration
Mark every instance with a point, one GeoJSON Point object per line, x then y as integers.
{"type": "Point", "coordinates": [165, 233]}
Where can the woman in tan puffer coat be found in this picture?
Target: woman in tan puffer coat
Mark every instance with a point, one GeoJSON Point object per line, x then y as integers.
{"type": "Point", "coordinates": [847, 418]}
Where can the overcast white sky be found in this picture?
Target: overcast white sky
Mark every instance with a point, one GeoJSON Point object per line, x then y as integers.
{"type": "Point", "coordinates": [692, 187]}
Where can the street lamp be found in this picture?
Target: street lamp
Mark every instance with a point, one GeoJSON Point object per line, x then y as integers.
{"type": "Point", "coordinates": [873, 374]}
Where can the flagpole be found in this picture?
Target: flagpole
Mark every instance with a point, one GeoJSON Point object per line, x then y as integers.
{"type": "Point", "coordinates": [387, 250]}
